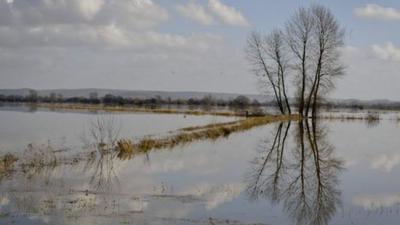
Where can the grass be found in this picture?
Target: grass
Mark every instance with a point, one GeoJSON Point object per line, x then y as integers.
{"type": "Point", "coordinates": [211, 131]}
{"type": "Point", "coordinates": [124, 148]}
{"type": "Point", "coordinates": [37, 158]}
{"type": "Point", "coordinates": [7, 164]}
{"type": "Point", "coordinates": [372, 117]}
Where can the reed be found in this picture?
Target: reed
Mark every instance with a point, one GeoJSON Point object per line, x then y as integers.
{"type": "Point", "coordinates": [6, 164]}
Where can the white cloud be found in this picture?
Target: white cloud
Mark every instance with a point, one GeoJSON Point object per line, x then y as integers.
{"type": "Point", "coordinates": [195, 12]}
{"type": "Point", "coordinates": [371, 202]}
{"type": "Point", "coordinates": [386, 51]}
{"type": "Point", "coordinates": [363, 64]}
{"type": "Point", "coordinates": [215, 195]}
{"type": "Point", "coordinates": [377, 12]}
{"type": "Point", "coordinates": [227, 14]}
{"type": "Point", "coordinates": [386, 162]}
{"type": "Point", "coordinates": [133, 14]}
{"type": "Point", "coordinates": [90, 8]}
{"type": "Point", "coordinates": [92, 23]}
{"type": "Point", "coordinates": [117, 44]}
{"type": "Point", "coordinates": [136, 14]}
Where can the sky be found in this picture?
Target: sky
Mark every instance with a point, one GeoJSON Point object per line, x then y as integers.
{"type": "Point", "coordinates": [193, 45]}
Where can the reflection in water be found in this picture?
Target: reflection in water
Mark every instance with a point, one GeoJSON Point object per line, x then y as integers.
{"type": "Point", "coordinates": [43, 191]}
{"type": "Point", "coordinates": [296, 170]}
{"type": "Point", "coordinates": [304, 180]}
{"type": "Point", "coordinates": [103, 139]}
{"type": "Point", "coordinates": [265, 179]}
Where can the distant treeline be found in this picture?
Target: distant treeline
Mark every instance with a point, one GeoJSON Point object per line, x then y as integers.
{"type": "Point", "coordinates": [208, 100]}
{"type": "Point", "coordinates": [109, 99]}
{"type": "Point", "coordinates": [360, 105]}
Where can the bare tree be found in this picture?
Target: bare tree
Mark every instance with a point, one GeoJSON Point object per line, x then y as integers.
{"type": "Point", "coordinates": [277, 52]}
{"type": "Point", "coordinates": [268, 57]}
{"type": "Point", "coordinates": [308, 51]}
{"type": "Point", "coordinates": [329, 37]}
{"type": "Point", "coordinates": [298, 36]}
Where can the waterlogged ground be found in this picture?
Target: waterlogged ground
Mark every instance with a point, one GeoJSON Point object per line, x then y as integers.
{"type": "Point", "coordinates": [22, 125]}
{"type": "Point", "coordinates": [327, 172]}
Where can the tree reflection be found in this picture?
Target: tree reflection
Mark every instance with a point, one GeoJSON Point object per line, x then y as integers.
{"type": "Point", "coordinates": [304, 179]}
{"type": "Point", "coordinates": [269, 168]}
{"type": "Point", "coordinates": [104, 134]}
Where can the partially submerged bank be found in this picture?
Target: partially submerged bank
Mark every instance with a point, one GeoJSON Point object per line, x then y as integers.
{"type": "Point", "coordinates": [126, 148]}
{"type": "Point", "coordinates": [126, 108]}
{"type": "Point", "coordinates": [191, 134]}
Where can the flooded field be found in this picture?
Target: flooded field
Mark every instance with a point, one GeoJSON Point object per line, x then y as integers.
{"type": "Point", "coordinates": [299, 172]}
{"type": "Point", "coordinates": [20, 125]}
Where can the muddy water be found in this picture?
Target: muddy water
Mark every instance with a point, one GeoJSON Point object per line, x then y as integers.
{"type": "Point", "coordinates": [327, 172]}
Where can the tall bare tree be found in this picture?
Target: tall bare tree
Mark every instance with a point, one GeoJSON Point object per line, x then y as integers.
{"type": "Point", "coordinates": [307, 51]}
{"type": "Point", "coordinates": [269, 60]}
{"type": "Point", "coordinates": [277, 51]}
{"type": "Point", "coordinates": [299, 37]}
{"type": "Point", "coordinates": [329, 37]}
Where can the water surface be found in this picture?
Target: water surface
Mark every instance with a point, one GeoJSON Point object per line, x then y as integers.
{"type": "Point", "coordinates": [327, 172]}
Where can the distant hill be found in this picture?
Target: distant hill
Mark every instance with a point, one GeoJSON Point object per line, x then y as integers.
{"type": "Point", "coordinates": [68, 93]}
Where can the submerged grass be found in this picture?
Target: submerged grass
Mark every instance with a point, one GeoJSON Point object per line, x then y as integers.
{"type": "Point", "coordinates": [195, 133]}
{"type": "Point", "coordinates": [124, 148]}
{"type": "Point", "coordinates": [7, 164]}
{"type": "Point", "coordinates": [38, 158]}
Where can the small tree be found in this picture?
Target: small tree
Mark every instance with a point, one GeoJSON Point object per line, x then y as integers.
{"type": "Point", "coordinates": [33, 96]}
{"type": "Point", "coordinates": [241, 101]}
{"type": "Point", "coordinates": [93, 95]}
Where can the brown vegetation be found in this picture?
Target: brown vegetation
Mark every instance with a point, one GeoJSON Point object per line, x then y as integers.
{"type": "Point", "coordinates": [40, 158]}
{"type": "Point", "coordinates": [6, 164]}
{"type": "Point", "coordinates": [211, 131]}
{"type": "Point", "coordinates": [124, 148]}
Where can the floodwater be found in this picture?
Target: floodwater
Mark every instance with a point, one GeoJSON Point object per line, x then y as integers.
{"type": "Point", "coordinates": [21, 125]}
{"type": "Point", "coordinates": [309, 172]}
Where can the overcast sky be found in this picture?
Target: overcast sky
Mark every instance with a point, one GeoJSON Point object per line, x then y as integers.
{"type": "Point", "coordinates": [180, 45]}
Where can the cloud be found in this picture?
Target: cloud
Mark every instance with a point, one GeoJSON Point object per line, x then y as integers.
{"type": "Point", "coordinates": [196, 13]}
{"type": "Point", "coordinates": [227, 14]}
{"type": "Point", "coordinates": [133, 14]}
{"type": "Point", "coordinates": [371, 202]}
{"type": "Point", "coordinates": [364, 64]}
{"type": "Point", "coordinates": [122, 24]}
{"type": "Point", "coordinates": [109, 43]}
{"type": "Point", "coordinates": [90, 8]}
{"type": "Point", "coordinates": [215, 10]}
{"type": "Point", "coordinates": [386, 51]}
{"type": "Point", "coordinates": [377, 12]}
{"type": "Point", "coordinates": [385, 162]}
{"type": "Point", "coordinates": [215, 195]}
